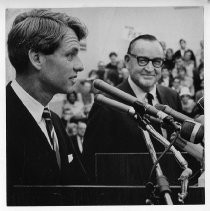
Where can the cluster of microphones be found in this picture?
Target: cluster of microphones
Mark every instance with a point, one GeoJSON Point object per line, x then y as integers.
{"type": "Point", "coordinates": [190, 132]}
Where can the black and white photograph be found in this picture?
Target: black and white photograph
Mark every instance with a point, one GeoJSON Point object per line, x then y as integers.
{"type": "Point", "coordinates": [104, 104]}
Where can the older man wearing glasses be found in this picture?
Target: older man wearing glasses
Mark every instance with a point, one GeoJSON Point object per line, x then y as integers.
{"type": "Point", "coordinates": [109, 131]}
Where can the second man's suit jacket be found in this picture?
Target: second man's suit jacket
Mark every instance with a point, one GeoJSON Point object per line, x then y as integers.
{"type": "Point", "coordinates": [110, 131]}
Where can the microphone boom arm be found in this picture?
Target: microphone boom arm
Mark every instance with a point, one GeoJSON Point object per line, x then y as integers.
{"type": "Point", "coordinates": [187, 172]}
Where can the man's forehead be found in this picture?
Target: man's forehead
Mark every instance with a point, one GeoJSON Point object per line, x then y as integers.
{"type": "Point", "coordinates": [70, 37]}
{"type": "Point", "coordinates": [149, 46]}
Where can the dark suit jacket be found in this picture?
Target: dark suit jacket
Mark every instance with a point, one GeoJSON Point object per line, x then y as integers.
{"type": "Point", "coordinates": [109, 131]}
{"type": "Point", "coordinates": [30, 160]}
{"type": "Point", "coordinates": [73, 144]}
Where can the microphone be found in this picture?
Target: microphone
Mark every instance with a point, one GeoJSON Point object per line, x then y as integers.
{"type": "Point", "coordinates": [175, 114]}
{"type": "Point", "coordinates": [190, 139]}
{"type": "Point", "coordinates": [195, 150]}
{"type": "Point", "coordinates": [128, 99]}
{"type": "Point", "coordinates": [102, 100]}
{"type": "Point", "coordinates": [192, 131]}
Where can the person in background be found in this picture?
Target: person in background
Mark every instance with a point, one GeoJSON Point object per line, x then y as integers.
{"type": "Point", "coordinates": [189, 63]}
{"type": "Point", "coordinates": [79, 138]}
{"type": "Point", "coordinates": [188, 103]}
{"type": "Point", "coordinates": [181, 51]}
{"type": "Point", "coordinates": [112, 65]}
{"type": "Point", "coordinates": [86, 96]}
{"type": "Point", "coordinates": [166, 77]}
{"type": "Point", "coordinates": [43, 47]}
{"type": "Point", "coordinates": [200, 54]}
{"type": "Point", "coordinates": [101, 70]}
{"type": "Point", "coordinates": [169, 60]}
{"type": "Point", "coordinates": [179, 62]}
{"type": "Point", "coordinates": [176, 84]}
{"type": "Point", "coordinates": [71, 128]}
{"type": "Point", "coordinates": [112, 77]}
{"type": "Point", "coordinates": [185, 80]}
{"type": "Point", "coordinates": [200, 93]}
{"type": "Point", "coordinates": [198, 77]}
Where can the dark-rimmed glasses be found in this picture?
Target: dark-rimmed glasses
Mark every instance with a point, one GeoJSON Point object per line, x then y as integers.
{"type": "Point", "coordinates": [143, 61]}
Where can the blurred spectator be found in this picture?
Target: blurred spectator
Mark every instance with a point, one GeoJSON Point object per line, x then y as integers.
{"type": "Point", "coordinates": [176, 84]}
{"type": "Point", "coordinates": [86, 97]}
{"type": "Point", "coordinates": [92, 75]}
{"type": "Point", "coordinates": [198, 77]}
{"type": "Point", "coordinates": [71, 128]}
{"type": "Point", "coordinates": [77, 139]}
{"type": "Point", "coordinates": [121, 71]}
{"type": "Point", "coordinates": [169, 60]}
{"type": "Point", "coordinates": [188, 103]}
{"type": "Point", "coordinates": [200, 93]}
{"type": "Point", "coordinates": [179, 62]}
{"type": "Point", "coordinates": [185, 80]}
{"type": "Point", "coordinates": [113, 61]}
{"type": "Point", "coordinates": [81, 128]}
{"type": "Point", "coordinates": [200, 54]}
{"type": "Point", "coordinates": [112, 77]}
{"type": "Point", "coordinates": [72, 108]}
{"type": "Point", "coordinates": [163, 44]}
{"type": "Point", "coordinates": [189, 63]}
{"type": "Point", "coordinates": [101, 70]}
{"type": "Point", "coordinates": [183, 48]}
{"type": "Point", "coordinates": [166, 78]}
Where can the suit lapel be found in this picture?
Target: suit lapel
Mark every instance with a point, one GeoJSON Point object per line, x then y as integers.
{"type": "Point", "coordinates": [25, 120]}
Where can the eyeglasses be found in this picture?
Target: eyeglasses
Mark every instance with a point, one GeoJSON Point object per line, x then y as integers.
{"type": "Point", "coordinates": [143, 61]}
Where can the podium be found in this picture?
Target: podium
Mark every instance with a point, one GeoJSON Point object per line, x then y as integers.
{"type": "Point", "coordinates": [120, 181]}
{"type": "Point", "coordinates": [92, 195]}
{"type": "Point", "coordinates": [134, 168]}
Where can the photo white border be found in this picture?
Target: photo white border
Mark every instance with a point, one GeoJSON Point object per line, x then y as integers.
{"type": "Point", "coordinates": [99, 3]}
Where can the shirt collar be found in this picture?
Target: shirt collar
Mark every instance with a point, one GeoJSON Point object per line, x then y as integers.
{"type": "Point", "coordinates": [140, 94]}
{"type": "Point", "coordinates": [34, 107]}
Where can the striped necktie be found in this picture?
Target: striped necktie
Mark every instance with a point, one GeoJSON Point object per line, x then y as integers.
{"type": "Point", "coordinates": [51, 133]}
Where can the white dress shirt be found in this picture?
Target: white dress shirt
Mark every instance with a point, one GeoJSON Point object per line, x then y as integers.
{"type": "Point", "coordinates": [141, 95]}
{"type": "Point", "coordinates": [34, 107]}
{"type": "Point", "coordinates": [80, 143]}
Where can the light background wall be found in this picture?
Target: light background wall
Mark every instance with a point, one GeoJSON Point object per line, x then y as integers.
{"type": "Point", "coordinates": [106, 27]}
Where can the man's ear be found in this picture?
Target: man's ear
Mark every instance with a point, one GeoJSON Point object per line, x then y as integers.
{"type": "Point", "coordinates": [127, 59]}
{"type": "Point", "coordinates": [36, 59]}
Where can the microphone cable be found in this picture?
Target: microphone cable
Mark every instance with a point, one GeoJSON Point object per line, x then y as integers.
{"type": "Point", "coordinates": [159, 158]}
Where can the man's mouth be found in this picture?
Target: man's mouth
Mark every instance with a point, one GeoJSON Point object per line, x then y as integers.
{"type": "Point", "coordinates": [73, 78]}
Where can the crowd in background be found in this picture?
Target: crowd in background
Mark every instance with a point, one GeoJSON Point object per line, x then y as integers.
{"type": "Point", "coordinates": [183, 71]}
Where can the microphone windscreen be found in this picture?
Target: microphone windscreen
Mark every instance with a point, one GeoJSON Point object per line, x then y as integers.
{"type": "Point", "coordinates": [192, 131]}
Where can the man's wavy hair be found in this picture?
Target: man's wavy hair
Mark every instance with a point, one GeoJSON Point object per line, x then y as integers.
{"type": "Point", "coordinates": [40, 30]}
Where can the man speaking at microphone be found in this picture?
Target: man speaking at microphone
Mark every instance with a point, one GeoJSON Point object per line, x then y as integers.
{"type": "Point", "coordinates": [43, 47]}
{"type": "Point", "coordinates": [109, 131]}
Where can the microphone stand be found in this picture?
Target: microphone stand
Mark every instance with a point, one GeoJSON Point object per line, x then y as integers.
{"type": "Point", "coordinates": [187, 171]}
{"type": "Point", "coordinates": [162, 181]}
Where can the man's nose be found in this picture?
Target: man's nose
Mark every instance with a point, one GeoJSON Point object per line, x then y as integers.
{"type": "Point", "coordinates": [149, 67]}
{"type": "Point", "coordinates": [78, 65]}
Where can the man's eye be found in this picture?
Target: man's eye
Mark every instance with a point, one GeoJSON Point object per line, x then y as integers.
{"type": "Point", "coordinates": [70, 56]}
{"type": "Point", "coordinates": [142, 60]}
